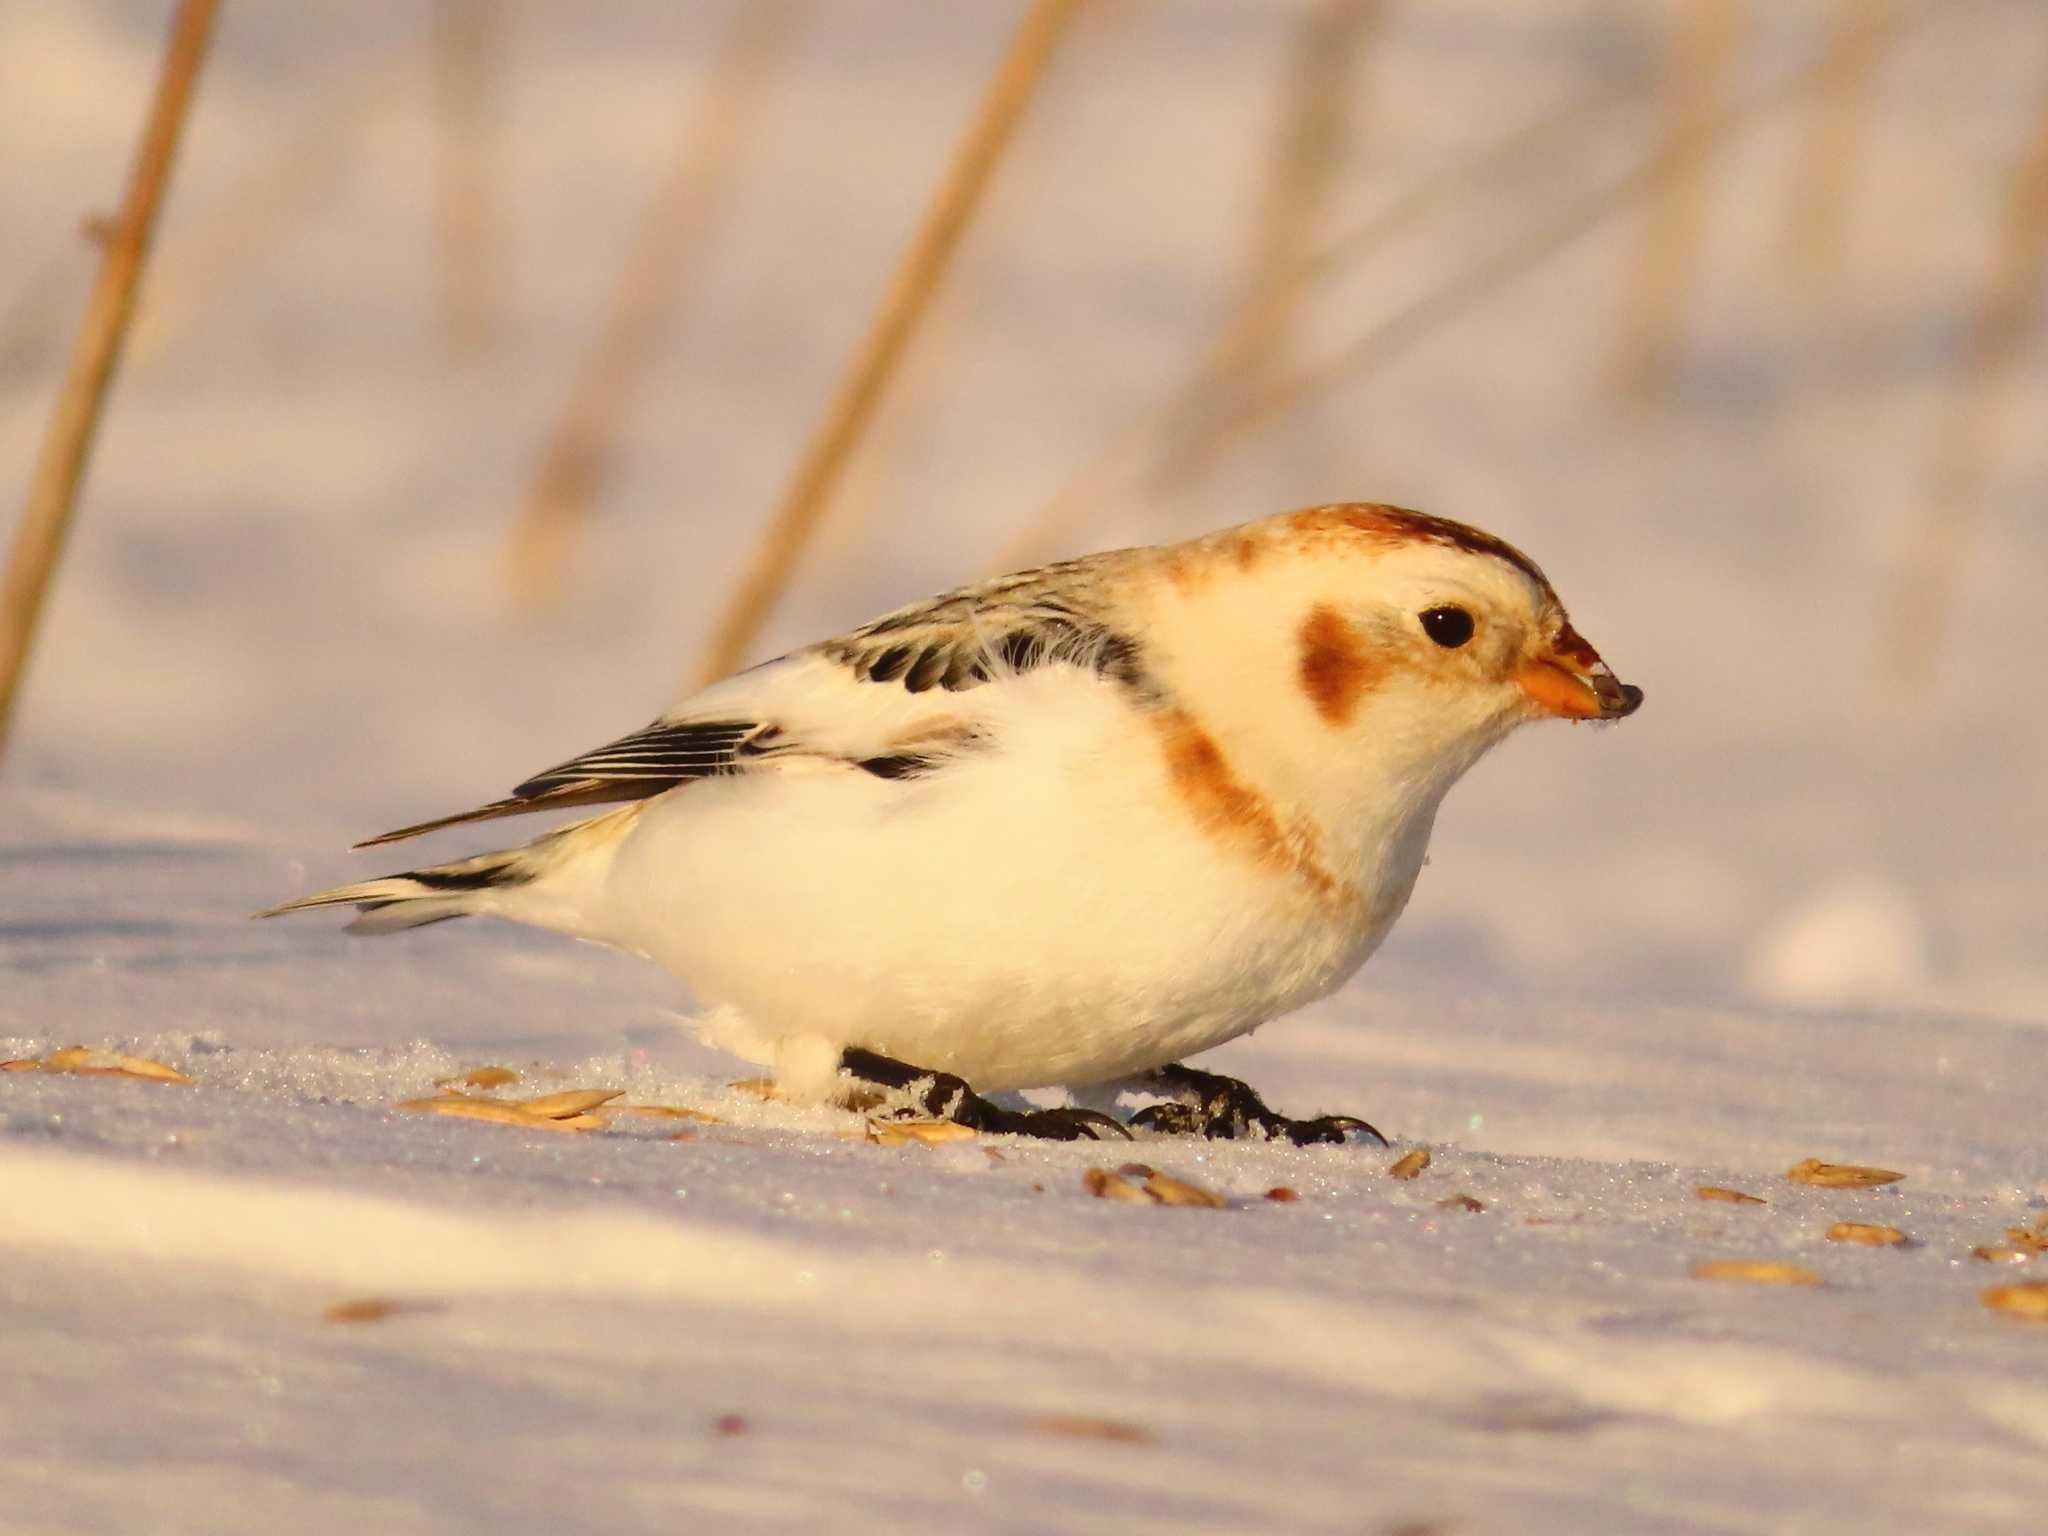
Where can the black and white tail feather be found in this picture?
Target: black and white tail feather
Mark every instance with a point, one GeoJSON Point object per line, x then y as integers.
{"type": "Point", "coordinates": [471, 887]}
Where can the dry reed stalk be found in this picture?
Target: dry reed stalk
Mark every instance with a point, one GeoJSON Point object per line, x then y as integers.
{"type": "Point", "coordinates": [1049, 529]}
{"type": "Point", "coordinates": [615, 368]}
{"type": "Point", "coordinates": [1835, 135]}
{"type": "Point", "coordinates": [1430, 312]}
{"type": "Point", "coordinates": [909, 297]}
{"type": "Point", "coordinates": [53, 493]}
{"type": "Point", "coordinates": [467, 37]}
{"type": "Point", "coordinates": [212, 250]}
{"type": "Point", "coordinates": [1427, 314]}
{"type": "Point", "coordinates": [2004, 320]}
{"type": "Point", "coordinates": [1329, 44]}
{"type": "Point", "coordinates": [1532, 142]}
{"type": "Point", "coordinates": [1702, 66]}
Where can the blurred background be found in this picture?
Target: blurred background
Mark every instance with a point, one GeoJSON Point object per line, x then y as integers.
{"type": "Point", "coordinates": [482, 342]}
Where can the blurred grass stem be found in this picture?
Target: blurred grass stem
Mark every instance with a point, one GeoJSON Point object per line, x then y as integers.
{"type": "Point", "coordinates": [1702, 64]}
{"type": "Point", "coordinates": [1855, 28]}
{"type": "Point", "coordinates": [2004, 321]}
{"type": "Point", "coordinates": [909, 297]}
{"type": "Point", "coordinates": [1329, 42]}
{"type": "Point", "coordinates": [67, 445]}
{"type": "Point", "coordinates": [466, 50]}
{"type": "Point", "coordinates": [620, 357]}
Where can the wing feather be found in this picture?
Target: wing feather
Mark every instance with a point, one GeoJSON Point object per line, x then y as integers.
{"type": "Point", "coordinates": [882, 699]}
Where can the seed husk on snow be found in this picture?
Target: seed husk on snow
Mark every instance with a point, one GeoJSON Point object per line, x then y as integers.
{"type": "Point", "coordinates": [1840, 1175]}
{"type": "Point", "coordinates": [373, 1309]}
{"type": "Point", "coordinates": [1156, 1188]}
{"type": "Point", "coordinates": [479, 1077]}
{"type": "Point", "coordinates": [925, 1133]}
{"type": "Point", "coordinates": [1167, 1190]}
{"type": "Point", "coordinates": [664, 1111]}
{"type": "Point", "coordinates": [1085, 1426]}
{"type": "Point", "coordinates": [2028, 1299]}
{"type": "Point", "coordinates": [1731, 1196]}
{"type": "Point", "coordinates": [1409, 1165]}
{"type": "Point", "coordinates": [82, 1061]}
{"type": "Point", "coordinates": [1755, 1271]}
{"type": "Point", "coordinates": [1866, 1233]}
{"type": "Point", "coordinates": [495, 1112]}
{"type": "Point", "coordinates": [1460, 1202]}
{"type": "Point", "coordinates": [1104, 1185]}
{"type": "Point", "coordinates": [568, 1103]}
{"type": "Point", "coordinates": [1282, 1194]}
{"type": "Point", "coordinates": [2001, 1255]}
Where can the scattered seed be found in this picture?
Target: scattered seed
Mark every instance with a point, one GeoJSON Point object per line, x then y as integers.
{"type": "Point", "coordinates": [21, 1064]}
{"type": "Point", "coordinates": [993, 1155]}
{"type": "Point", "coordinates": [373, 1309]}
{"type": "Point", "coordinates": [762, 1088]}
{"type": "Point", "coordinates": [1104, 1185]}
{"type": "Point", "coordinates": [487, 1109]}
{"type": "Point", "coordinates": [479, 1077]}
{"type": "Point", "coordinates": [81, 1061]}
{"type": "Point", "coordinates": [1840, 1175]}
{"type": "Point", "coordinates": [1732, 1196]}
{"type": "Point", "coordinates": [1082, 1426]}
{"type": "Point", "coordinates": [2031, 1239]}
{"type": "Point", "coordinates": [2028, 1299]}
{"type": "Point", "coordinates": [730, 1424]}
{"type": "Point", "coordinates": [1282, 1194]}
{"type": "Point", "coordinates": [1410, 1164]}
{"type": "Point", "coordinates": [1167, 1190]}
{"type": "Point", "coordinates": [1135, 1170]}
{"type": "Point", "coordinates": [664, 1112]}
{"type": "Point", "coordinates": [1756, 1271]}
{"type": "Point", "coordinates": [684, 1136]}
{"type": "Point", "coordinates": [2001, 1255]}
{"type": "Point", "coordinates": [1866, 1233]}
{"type": "Point", "coordinates": [1460, 1202]}
{"type": "Point", "coordinates": [927, 1133]}
{"type": "Point", "coordinates": [569, 1103]}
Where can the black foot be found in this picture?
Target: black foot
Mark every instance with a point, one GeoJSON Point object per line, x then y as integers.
{"type": "Point", "coordinates": [942, 1096]}
{"type": "Point", "coordinates": [1224, 1109]}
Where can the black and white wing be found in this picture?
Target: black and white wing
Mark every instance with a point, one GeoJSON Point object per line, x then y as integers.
{"type": "Point", "coordinates": [651, 760]}
{"type": "Point", "coordinates": [889, 699]}
{"type": "Point", "coordinates": [1055, 615]}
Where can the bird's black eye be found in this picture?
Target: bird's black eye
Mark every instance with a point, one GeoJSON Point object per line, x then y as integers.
{"type": "Point", "coordinates": [1448, 627]}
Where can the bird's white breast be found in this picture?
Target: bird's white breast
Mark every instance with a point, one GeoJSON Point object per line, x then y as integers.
{"type": "Point", "coordinates": [1054, 908]}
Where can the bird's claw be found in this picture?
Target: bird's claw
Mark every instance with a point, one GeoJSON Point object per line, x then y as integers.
{"type": "Point", "coordinates": [1063, 1124]}
{"type": "Point", "coordinates": [1224, 1109]}
{"type": "Point", "coordinates": [944, 1096]}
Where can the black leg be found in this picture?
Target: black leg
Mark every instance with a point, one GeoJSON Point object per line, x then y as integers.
{"type": "Point", "coordinates": [942, 1096]}
{"type": "Point", "coordinates": [1222, 1108]}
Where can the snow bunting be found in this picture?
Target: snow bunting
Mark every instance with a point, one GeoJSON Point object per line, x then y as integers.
{"type": "Point", "coordinates": [1066, 827]}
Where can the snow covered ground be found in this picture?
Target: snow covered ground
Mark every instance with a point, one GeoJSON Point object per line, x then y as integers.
{"type": "Point", "coordinates": [1790, 910]}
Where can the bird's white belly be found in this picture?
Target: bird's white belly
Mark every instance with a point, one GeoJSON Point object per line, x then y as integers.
{"type": "Point", "coordinates": [1046, 913]}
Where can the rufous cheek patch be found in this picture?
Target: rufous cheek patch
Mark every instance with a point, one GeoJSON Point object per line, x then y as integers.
{"type": "Point", "coordinates": [1235, 812]}
{"type": "Point", "coordinates": [1335, 668]}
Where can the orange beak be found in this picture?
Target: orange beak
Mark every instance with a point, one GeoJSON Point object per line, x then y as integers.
{"type": "Point", "coordinates": [1573, 683]}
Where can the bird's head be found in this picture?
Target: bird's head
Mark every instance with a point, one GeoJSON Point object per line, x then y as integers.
{"type": "Point", "coordinates": [1410, 641]}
